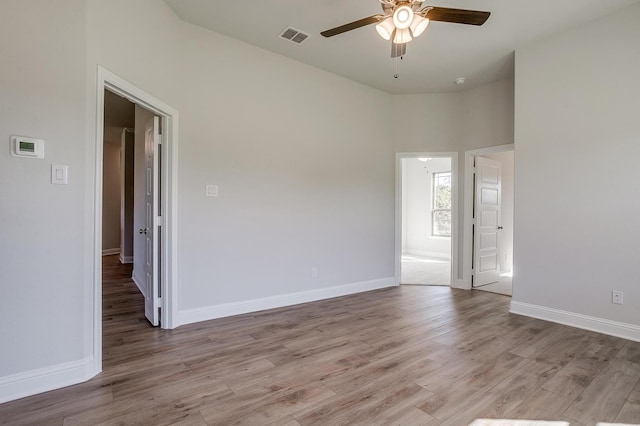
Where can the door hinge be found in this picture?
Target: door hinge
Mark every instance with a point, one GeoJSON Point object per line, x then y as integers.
{"type": "Point", "coordinates": [159, 221]}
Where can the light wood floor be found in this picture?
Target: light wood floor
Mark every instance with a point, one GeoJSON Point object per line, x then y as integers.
{"type": "Point", "coordinates": [404, 356]}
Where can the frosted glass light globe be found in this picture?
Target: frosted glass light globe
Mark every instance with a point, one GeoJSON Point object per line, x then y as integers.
{"type": "Point", "coordinates": [403, 17]}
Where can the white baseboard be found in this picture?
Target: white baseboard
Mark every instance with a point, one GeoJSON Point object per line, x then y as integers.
{"type": "Point", "coordinates": [139, 284]}
{"type": "Point", "coordinates": [33, 382]}
{"type": "Point", "coordinates": [109, 252]}
{"type": "Point", "coordinates": [189, 316]}
{"type": "Point", "coordinates": [424, 253]}
{"type": "Point", "coordinates": [586, 322]}
{"type": "Point", "coordinates": [461, 284]}
{"type": "Point", "coordinates": [126, 259]}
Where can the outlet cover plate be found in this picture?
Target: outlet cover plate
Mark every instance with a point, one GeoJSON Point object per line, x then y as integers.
{"type": "Point", "coordinates": [617, 297]}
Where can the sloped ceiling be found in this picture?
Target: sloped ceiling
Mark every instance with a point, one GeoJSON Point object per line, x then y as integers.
{"type": "Point", "coordinates": [433, 61]}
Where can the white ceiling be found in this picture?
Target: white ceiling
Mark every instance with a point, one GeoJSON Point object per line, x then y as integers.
{"type": "Point", "coordinates": [433, 61]}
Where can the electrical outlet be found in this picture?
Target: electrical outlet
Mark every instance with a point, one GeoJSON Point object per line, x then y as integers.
{"type": "Point", "coordinates": [314, 272]}
{"type": "Point", "coordinates": [617, 297]}
{"type": "Point", "coordinates": [211, 190]}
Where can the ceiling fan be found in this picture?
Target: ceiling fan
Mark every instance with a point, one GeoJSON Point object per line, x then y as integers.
{"type": "Point", "coordinates": [403, 20]}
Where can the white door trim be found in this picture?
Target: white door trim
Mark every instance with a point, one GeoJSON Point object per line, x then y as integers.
{"type": "Point", "coordinates": [468, 206]}
{"type": "Point", "coordinates": [454, 210]}
{"type": "Point", "coordinates": [169, 271]}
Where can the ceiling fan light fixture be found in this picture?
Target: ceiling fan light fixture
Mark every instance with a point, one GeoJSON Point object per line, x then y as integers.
{"type": "Point", "coordinates": [418, 25]}
{"type": "Point", "coordinates": [402, 36]}
{"type": "Point", "coordinates": [402, 17]}
{"type": "Point", "coordinates": [386, 28]}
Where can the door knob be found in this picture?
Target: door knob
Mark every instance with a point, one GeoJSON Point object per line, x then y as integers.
{"type": "Point", "coordinates": [499, 227]}
{"type": "Point", "coordinates": [143, 231]}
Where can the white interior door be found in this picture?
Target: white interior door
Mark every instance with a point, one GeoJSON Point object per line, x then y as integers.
{"type": "Point", "coordinates": [488, 194]}
{"type": "Point", "coordinates": [152, 298]}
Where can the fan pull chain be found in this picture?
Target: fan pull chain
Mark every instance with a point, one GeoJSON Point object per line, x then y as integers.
{"type": "Point", "coordinates": [396, 75]}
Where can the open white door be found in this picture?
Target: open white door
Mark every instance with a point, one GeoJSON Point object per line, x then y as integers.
{"type": "Point", "coordinates": [152, 221]}
{"type": "Point", "coordinates": [488, 194]}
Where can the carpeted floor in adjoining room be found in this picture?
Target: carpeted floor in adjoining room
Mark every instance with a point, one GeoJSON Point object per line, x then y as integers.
{"type": "Point", "coordinates": [425, 270]}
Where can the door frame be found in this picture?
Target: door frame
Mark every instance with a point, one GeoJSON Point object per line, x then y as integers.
{"type": "Point", "coordinates": [169, 209]}
{"type": "Point", "coordinates": [468, 207]}
{"type": "Point", "coordinates": [454, 210]}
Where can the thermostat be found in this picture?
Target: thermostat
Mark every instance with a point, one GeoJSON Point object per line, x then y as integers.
{"type": "Point", "coordinates": [27, 147]}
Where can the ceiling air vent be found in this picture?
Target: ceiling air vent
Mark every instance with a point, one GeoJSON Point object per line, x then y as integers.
{"type": "Point", "coordinates": [293, 35]}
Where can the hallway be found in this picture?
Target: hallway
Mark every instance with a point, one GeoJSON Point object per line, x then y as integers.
{"type": "Point", "coordinates": [124, 326]}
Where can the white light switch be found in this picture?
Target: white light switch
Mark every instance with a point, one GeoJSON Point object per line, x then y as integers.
{"type": "Point", "coordinates": [212, 191]}
{"type": "Point", "coordinates": [59, 174]}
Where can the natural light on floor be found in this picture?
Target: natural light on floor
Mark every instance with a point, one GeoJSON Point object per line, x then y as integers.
{"type": "Point", "coordinates": [424, 259]}
{"type": "Point", "coordinates": [510, 422]}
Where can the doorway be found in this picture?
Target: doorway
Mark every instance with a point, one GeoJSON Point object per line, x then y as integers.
{"type": "Point", "coordinates": [130, 198]}
{"type": "Point", "coordinates": [117, 178]}
{"type": "Point", "coordinates": [426, 218]}
{"type": "Point", "coordinates": [156, 175]}
{"type": "Point", "coordinates": [489, 218]}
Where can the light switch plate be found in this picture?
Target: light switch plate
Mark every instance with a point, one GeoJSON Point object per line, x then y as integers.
{"type": "Point", "coordinates": [211, 191]}
{"type": "Point", "coordinates": [59, 174]}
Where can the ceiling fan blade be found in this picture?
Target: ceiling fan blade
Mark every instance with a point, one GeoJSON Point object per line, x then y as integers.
{"type": "Point", "coordinates": [398, 49]}
{"type": "Point", "coordinates": [352, 25]}
{"type": "Point", "coordinates": [458, 16]}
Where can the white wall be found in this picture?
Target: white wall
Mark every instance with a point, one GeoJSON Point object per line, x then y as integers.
{"type": "Point", "coordinates": [305, 173]}
{"type": "Point", "coordinates": [505, 244]}
{"type": "Point", "coordinates": [577, 149]}
{"type": "Point", "coordinates": [42, 254]}
{"type": "Point", "coordinates": [486, 117]}
{"type": "Point", "coordinates": [462, 121]}
{"type": "Point", "coordinates": [111, 203]}
{"type": "Point", "coordinates": [429, 122]}
{"type": "Point", "coordinates": [302, 158]}
{"type": "Point", "coordinates": [417, 187]}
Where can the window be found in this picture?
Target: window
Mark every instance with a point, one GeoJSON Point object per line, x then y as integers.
{"type": "Point", "coordinates": [441, 205]}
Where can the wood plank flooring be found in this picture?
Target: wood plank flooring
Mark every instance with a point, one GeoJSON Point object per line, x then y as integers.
{"type": "Point", "coordinates": [403, 356]}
